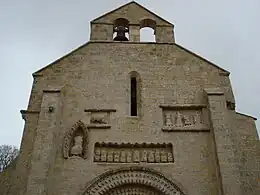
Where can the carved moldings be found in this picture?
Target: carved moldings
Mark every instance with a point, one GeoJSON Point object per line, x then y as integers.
{"type": "Point", "coordinates": [99, 118]}
{"type": "Point", "coordinates": [76, 142]}
{"type": "Point", "coordinates": [133, 190]}
{"type": "Point", "coordinates": [133, 153]}
{"type": "Point", "coordinates": [131, 181]}
{"type": "Point", "coordinates": [184, 117]}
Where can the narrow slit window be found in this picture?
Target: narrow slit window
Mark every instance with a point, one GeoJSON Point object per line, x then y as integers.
{"type": "Point", "coordinates": [133, 97]}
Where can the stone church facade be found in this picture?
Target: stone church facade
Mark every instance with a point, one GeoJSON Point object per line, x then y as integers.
{"type": "Point", "coordinates": [120, 116]}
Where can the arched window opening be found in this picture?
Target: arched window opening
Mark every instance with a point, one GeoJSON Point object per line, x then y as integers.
{"type": "Point", "coordinates": [147, 30]}
{"type": "Point", "coordinates": [133, 96]}
{"type": "Point", "coordinates": [121, 30]}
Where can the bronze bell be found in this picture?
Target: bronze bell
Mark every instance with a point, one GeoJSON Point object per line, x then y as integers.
{"type": "Point", "coordinates": [121, 30]}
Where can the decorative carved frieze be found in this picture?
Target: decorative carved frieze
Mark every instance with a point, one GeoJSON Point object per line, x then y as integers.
{"type": "Point", "coordinates": [133, 153]}
{"type": "Point", "coordinates": [184, 117]}
{"type": "Point", "coordinates": [75, 143]}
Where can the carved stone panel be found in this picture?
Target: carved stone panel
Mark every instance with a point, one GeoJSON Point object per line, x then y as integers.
{"type": "Point", "coordinates": [133, 153]}
{"type": "Point", "coordinates": [99, 118]}
{"type": "Point", "coordinates": [185, 117]}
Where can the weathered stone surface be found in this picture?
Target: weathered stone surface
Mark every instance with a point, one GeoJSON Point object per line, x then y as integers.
{"type": "Point", "coordinates": [182, 100]}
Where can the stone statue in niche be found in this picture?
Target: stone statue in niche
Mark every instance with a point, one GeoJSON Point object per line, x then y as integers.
{"type": "Point", "coordinates": [170, 157]}
{"type": "Point", "coordinates": [97, 155]}
{"type": "Point", "coordinates": [129, 156]}
{"type": "Point", "coordinates": [196, 119]}
{"type": "Point", "coordinates": [76, 150]}
{"type": "Point", "coordinates": [75, 141]}
{"type": "Point", "coordinates": [157, 156]}
{"type": "Point", "coordinates": [151, 156]}
{"type": "Point", "coordinates": [123, 157]}
{"type": "Point", "coordinates": [98, 120]}
{"type": "Point", "coordinates": [144, 156]}
{"type": "Point", "coordinates": [136, 156]}
{"type": "Point", "coordinates": [164, 156]}
{"type": "Point", "coordinates": [103, 156]}
{"type": "Point", "coordinates": [179, 120]}
{"type": "Point", "coordinates": [110, 156]}
{"type": "Point", "coordinates": [168, 119]}
{"type": "Point", "coordinates": [116, 156]}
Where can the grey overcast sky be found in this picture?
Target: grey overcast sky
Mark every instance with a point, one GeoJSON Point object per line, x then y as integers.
{"type": "Point", "coordinates": [35, 33]}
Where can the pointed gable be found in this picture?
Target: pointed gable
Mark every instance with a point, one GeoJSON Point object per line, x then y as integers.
{"type": "Point", "coordinates": [133, 11]}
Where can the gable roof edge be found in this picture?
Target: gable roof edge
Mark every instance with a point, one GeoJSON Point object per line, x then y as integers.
{"type": "Point", "coordinates": [94, 20]}
{"type": "Point", "coordinates": [246, 115]}
{"type": "Point", "coordinates": [62, 57]}
{"type": "Point", "coordinates": [181, 47]}
{"type": "Point", "coordinates": [202, 58]}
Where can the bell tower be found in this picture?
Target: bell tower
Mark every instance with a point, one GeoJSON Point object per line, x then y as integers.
{"type": "Point", "coordinates": [125, 23]}
{"type": "Point", "coordinates": [121, 27]}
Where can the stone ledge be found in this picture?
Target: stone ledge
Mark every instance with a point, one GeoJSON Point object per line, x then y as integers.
{"type": "Point", "coordinates": [37, 75]}
{"type": "Point", "coordinates": [29, 112]}
{"type": "Point", "coordinates": [224, 74]}
{"type": "Point", "coordinates": [132, 24]}
{"type": "Point", "coordinates": [128, 164]}
{"type": "Point", "coordinates": [99, 110]}
{"type": "Point", "coordinates": [186, 129]}
{"type": "Point", "coordinates": [26, 112]}
{"type": "Point", "coordinates": [183, 106]}
{"type": "Point", "coordinates": [214, 91]}
{"type": "Point", "coordinates": [242, 114]}
{"type": "Point", "coordinates": [51, 91]}
{"type": "Point", "coordinates": [98, 126]}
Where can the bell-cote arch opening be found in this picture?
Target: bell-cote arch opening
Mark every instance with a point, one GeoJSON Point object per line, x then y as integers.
{"type": "Point", "coordinates": [135, 96]}
{"type": "Point", "coordinates": [121, 30]}
{"type": "Point", "coordinates": [147, 30]}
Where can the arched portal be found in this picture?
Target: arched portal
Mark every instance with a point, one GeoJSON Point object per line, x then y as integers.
{"type": "Point", "coordinates": [132, 181]}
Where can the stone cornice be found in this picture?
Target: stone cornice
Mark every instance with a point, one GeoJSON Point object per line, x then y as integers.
{"type": "Point", "coordinates": [254, 118]}
{"type": "Point", "coordinates": [51, 91]}
{"type": "Point", "coordinates": [99, 110]}
{"type": "Point", "coordinates": [26, 112]}
{"type": "Point", "coordinates": [183, 106]}
{"type": "Point", "coordinates": [214, 91]}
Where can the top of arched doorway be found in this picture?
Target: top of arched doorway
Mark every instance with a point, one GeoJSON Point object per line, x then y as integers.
{"type": "Point", "coordinates": [139, 176]}
{"type": "Point", "coordinates": [134, 13]}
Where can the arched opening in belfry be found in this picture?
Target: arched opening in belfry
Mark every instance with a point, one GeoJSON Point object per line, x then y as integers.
{"type": "Point", "coordinates": [147, 30]}
{"type": "Point", "coordinates": [121, 30]}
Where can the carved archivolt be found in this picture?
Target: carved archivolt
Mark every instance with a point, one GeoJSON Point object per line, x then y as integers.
{"type": "Point", "coordinates": [76, 135]}
{"type": "Point", "coordinates": [133, 190]}
{"type": "Point", "coordinates": [131, 181]}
